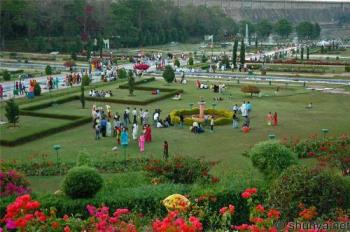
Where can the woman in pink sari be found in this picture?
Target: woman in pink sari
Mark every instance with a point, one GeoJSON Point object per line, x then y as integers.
{"type": "Point", "coordinates": [142, 143]}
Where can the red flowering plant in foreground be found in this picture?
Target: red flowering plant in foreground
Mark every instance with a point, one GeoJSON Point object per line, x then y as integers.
{"type": "Point", "coordinates": [261, 219]}
{"type": "Point", "coordinates": [329, 151]}
{"type": "Point", "coordinates": [13, 183]}
{"type": "Point", "coordinates": [173, 222]}
{"type": "Point", "coordinates": [24, 214]}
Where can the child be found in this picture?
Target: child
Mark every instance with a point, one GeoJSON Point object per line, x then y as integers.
{"type": "Point", "coordinates": [235, 120]}
{"type": "Point", "coordinates": [97, 130]}
{"type": "Point", "coordinates": [166, 150]}
{"type": "Point", "coordinates": [142, 142]}
{"type": "Point", "coordinates": [212, 124]}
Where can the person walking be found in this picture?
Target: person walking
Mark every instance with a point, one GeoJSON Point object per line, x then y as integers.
{"type": "Point", "coordinates": [166, 150]}
{"type": "Point", "coordinates": [135, 129]}
{"type": "Point", "coordinates": [97, 132]}
{"type": "Point", "coordinates": [142, 142]}
{"type": "Point", "coordinates": [124, 137]}
{"type": "Point", "coordinates": [275, 119]}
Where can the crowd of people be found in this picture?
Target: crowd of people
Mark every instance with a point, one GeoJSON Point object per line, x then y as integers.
{"type": "Point", "coordinates": [100, 93]}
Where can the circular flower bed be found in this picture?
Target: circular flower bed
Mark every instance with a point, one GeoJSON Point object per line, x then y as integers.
{"type": "Point", "coordinates": [221, 117]}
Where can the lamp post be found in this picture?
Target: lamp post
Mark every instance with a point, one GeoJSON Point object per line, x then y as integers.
{"type": "Point", "coordinates": [272, 136]}
{"type": "Point", "coordinates": [57, 147]}
{"type": "Point", "coordinates": [324, 131]}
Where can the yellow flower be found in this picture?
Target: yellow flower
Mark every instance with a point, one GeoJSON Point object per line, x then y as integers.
{"type": "Point", "coordinates": [176, 202]}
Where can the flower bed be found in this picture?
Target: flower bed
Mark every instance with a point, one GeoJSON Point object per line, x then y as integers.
{"type": "Point", "coordinates": [221, 117]}
{"type": "Point", "coordinates": [333, 151]}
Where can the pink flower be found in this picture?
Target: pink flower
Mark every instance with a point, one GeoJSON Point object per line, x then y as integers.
{"type": "Point", "coordinates": [91, 209]}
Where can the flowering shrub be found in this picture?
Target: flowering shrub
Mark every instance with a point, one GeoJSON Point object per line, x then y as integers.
{"type": "Point", "coordinates": [311, 187]}
{"type": "Point", "coordinates": [13, 183]}
{"type": "Point", "coordinates": [173, 222]}
{"type": "Point", "coordinates": [180, 169]}
{"type": "Point", "coordinates": [24, 213]}
{"type": "Point", "coordinates": [333, 151]}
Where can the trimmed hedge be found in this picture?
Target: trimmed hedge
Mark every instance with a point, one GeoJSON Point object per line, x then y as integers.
{"type": "Point", "coordinates": [226, 116]}
{"type": "Point", "coordinates": [49, 115]}
{"type": "Point", "coordinates": [50, 103]}
{"type": "Point", "coordinates": [143, 199]}
{"type": "Point", "coordinates": [45, 133]}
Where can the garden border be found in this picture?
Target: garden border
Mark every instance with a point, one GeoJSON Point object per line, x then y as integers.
{"type": "Point", "coordinates": [78, 120]}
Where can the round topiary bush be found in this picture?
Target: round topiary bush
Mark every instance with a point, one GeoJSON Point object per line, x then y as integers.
{"type": "Point", "coordinates": [82, 182]}
{"type": "Point", "coordinates": [301, 185]}
{"type": "Point", "coordinates": [271, 158]}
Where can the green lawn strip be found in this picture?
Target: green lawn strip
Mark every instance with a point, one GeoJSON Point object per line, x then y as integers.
{"type": "Point", "coordinates": [49, 184]}
{"type": "Point", "coordinates": [35, 129]}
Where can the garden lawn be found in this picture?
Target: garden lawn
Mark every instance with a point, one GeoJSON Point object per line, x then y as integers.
{"type": "Point", "coordinates": [225, 144]}
{"type": "Point", "coordinates": [49, 184]}
{"type": "Point", "coordinates": [28, 125]}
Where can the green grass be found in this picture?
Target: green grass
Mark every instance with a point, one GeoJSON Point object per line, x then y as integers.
{"type": "Point", "coordinates": [49, 184]}
{"type": "Point", "coordinates": [225, 144]}
{"type": "Point", "coordinates": [29, 125]}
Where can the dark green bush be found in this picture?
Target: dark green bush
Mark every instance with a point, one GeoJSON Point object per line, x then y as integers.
{"type": "Point", "coordinates": [6, 75]}
{"type": "Point", "coordinates": [271, 158]}
{"type": "Point", "coordinates": [48, 70]}
{"type": "Point", "coordinates": [122, 74]}
{"type": "Point", "coordinates": [347, 68]}
{"type": "Point", "coordinates": [82, 182]}
{"type": "Point", "coordinates": [299, 184]}
{"type": "Point", "coordinates": [37, 89]}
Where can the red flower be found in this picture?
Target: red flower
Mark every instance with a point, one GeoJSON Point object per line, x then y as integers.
{"type": "Point", "coordinates": [242, 227]}
{"type": "Point", "coordinates": [260, 208]}
{"type": "Point", "coordinates": [55, 225]}
{"type": "Point", "coordinates": [257, 220]}
{"type": "Point", "coordinates": [231, 209]}
{"type": "Point", "coordinates": [273, 213]}
{"type": "Point", "coordinates": [223, 210]}
{"type": "Point", "coordinates": [246, 195]}
{"type": "Point", "coordinates": [311, 154]}
{"type": "Point", "coordinates": [65, 217]}
{"type": "Point", "coordinates": [66, 229]}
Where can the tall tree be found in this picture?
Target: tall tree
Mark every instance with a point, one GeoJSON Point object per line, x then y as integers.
{"type": "Point", "coordinates": [131, 83]}
{"type": "Point", "coordinates": [304, 30]}
{"type": "Point", "coordinates": [234, 53]}
{"type": "Point", "coordinates": [283, 28]}
{"type": "Point", "coordinates": [302, 53]}
{"type": "Point", "coordinates": [82, 91]}
{"type": "Point", "coordinates": [242, 52]}
{"type": "Point", "coordinates": [12, 112]}
{"type": "Point", "coordinates": [263, 29]}
{"type": "Point", "coordinates": [168, 74]}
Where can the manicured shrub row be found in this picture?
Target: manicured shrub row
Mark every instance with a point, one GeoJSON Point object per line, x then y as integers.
{"type": "Point", "coordinates": [44, 133]}
{"type": "Point", "coordinates": [133, 102]}
{"type": "Point", "coordinates": [49, 115]}
{"type": "Point", "coordinates": [224, 119]}
{"type": "Point", "coordinates": [139, 82]}
{"type": "Point", "coordinates": [144, 199]}
{"type": "Point", "coordinates": [48, 168]}
{"type": "Point", "coordinates": [50, 103]}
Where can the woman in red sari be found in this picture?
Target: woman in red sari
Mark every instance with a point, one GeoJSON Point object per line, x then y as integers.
{"type": "Point", "coordinates": [275, 120]}
{"type": "Point", "coordinates": [148, 134]}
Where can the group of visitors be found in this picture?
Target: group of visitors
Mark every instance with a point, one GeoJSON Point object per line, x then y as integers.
{"type": "Point", "coordinates": [72, 79]}
{"type": "Point", "coordinates": [245, 110]}
{"type": "Point", "coordinates": [272, 119]}
{"type": "Point", "coordinates": [52, 83]}
{"type": "Point", "coordinates": [158, 122]}
{"type": "Point", "coordinates": [101, 93]}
